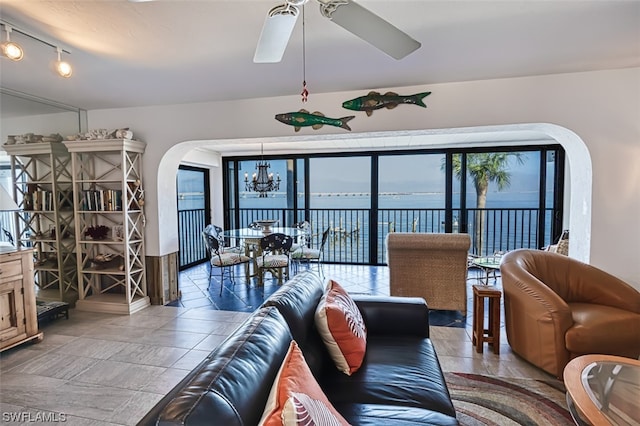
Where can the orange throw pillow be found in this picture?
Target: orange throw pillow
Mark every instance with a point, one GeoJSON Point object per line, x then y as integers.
{"type": "Point", "coordinates": [296, 398]}
{"type": "Point", "coordinates": [342, 328]}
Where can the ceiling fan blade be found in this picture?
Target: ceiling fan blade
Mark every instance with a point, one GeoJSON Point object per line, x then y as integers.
{"type": "Point", "coordinates": [369, 27]}
{"type": "Point", "coordinates": [275, 35]}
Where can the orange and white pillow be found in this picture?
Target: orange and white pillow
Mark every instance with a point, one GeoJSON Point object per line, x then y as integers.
{"type": "Point", "coordinates": [342, 328]}
{"type": "Point", "coordinates": [296, 399]}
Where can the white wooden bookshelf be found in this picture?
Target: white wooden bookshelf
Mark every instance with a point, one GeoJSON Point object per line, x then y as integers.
{"type": "Point", "coordinates": [107, 182]}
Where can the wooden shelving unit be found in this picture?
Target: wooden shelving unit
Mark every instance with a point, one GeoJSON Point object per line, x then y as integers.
{"type": "Point", "coordinates": [107, 182]}
{"type": "Point", "coordinates": [43, 187]}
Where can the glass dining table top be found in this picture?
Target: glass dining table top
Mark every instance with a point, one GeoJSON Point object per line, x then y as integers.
{"type": "Point", "coordinates": [250, 233]}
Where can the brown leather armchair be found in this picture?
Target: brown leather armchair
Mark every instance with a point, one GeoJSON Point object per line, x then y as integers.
{"type": "Point", "coordinates": [558, 308]}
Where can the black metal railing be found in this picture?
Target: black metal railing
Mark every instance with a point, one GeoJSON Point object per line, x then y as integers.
{"type": "Point", "coordinates": [191, 223]}
{"type": "Point", "coordinates": [352, 230]}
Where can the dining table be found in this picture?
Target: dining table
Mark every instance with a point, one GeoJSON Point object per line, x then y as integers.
{"type": "Point", "coordinates": [249, 239]}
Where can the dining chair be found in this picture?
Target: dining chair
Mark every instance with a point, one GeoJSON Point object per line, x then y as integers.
{"type": "Point", "coordinates": [218, 233]}
{"type": "Point", "coordinates": [274, 256]}
{"type": "Point", "coordinates": [310, 255]}
{"type": "Point", "coordinates": [218, 258]}
{"type": "Point", "coordinates": [304, 235]}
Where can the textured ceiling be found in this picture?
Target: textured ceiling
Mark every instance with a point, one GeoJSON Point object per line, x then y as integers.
{"type": "Point", "coordinates": [166, 52]}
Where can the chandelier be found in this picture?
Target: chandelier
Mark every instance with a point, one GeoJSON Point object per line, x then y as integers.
{"type": "Point", "coordinates": [262, 181]}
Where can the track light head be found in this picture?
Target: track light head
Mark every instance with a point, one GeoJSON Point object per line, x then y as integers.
{"type": "Point", "coordinates": [10, 49]}
{"type": "Point", "coordinates": [63, 68]}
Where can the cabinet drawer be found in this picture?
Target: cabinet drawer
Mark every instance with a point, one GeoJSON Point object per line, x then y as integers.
{"type": "Point", "coordinates": [9, 269]}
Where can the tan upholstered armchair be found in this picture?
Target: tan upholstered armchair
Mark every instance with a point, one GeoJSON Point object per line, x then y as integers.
{"type": "Point", "coordinates": [431, 266]}
{"type": "Point", "coordinates": [557, 308]}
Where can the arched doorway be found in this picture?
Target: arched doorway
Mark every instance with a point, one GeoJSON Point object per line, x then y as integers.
{"type": "Point", "coordinates": [579, 168]}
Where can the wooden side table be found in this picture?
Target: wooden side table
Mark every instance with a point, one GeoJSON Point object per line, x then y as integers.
{"type": "Point", "coordinates": [491, 335]}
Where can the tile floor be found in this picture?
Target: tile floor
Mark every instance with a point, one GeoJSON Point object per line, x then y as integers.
{"type": "Point", "coordinates": [99, 369]}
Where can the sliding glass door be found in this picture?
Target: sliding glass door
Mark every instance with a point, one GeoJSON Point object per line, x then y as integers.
{"type": "Point", "coordinates": [505, 198]}
{"type": "Point", "coordinates": [194, 213]}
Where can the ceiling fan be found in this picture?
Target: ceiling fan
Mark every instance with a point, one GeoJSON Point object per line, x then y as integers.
{"type": "Point", "coordinates": [354, 18]}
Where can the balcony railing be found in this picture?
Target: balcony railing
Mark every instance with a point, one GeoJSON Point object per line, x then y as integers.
{"type": "Point", "coordinates": [353, 230]}
{"type": "Point", "coordinates": [191, 223]}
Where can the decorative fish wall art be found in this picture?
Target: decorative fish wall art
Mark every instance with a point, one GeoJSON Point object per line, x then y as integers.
{"type": "Point", "coordinates": [389, 100]}
{"type": "Point", "coordinates": [316, 120]}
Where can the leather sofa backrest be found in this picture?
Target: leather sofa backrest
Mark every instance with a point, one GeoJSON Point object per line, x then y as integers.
{"type": "Point", "coordinates": [234, 381]}
{"type": "Point", "coordinates": [297, 300]}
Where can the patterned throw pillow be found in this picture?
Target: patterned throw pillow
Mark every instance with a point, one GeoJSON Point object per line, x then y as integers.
{"type": "Point", "coordinates": [563, 247]}
{"type": "Point", "coordinates": [342, 328]}
{"type": "Point", "coordinates": [296, 399]}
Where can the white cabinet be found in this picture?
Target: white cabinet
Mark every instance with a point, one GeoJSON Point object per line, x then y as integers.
{"type": "Point", "coordinates": [109, 222]}
{"type": "Point", "coordinates": [43, 187]}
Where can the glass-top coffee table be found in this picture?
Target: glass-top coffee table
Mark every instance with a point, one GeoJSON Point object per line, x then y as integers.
{"type": "Point", "coordinates": [603, 390]}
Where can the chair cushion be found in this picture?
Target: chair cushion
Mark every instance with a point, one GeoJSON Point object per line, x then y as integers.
{"type": "Point", "coordinates": [236, 250]}
{"type": "Point", "coordinates": [228, 259]}
{"type": "Point", "coordinates": [296, 398]}
{"type": "Point", "coordinates": [272, 261]}
{"type": "Point", "coordinates": [342, 328]}
{"type": "Point", "coordinates": [306, 253]}
{"type": "Point", "coordinates": [603, 329]}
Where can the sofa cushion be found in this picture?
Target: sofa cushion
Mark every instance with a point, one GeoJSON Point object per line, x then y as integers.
{"type": "Point", "coordinates": [296, 397]}
{"type": "Point", "coordinates": [602, 329]}
{"type": "Point", "coordinates": [342, 328]}
{"type": "Point", "coordinates": [397, 370]}
{"type": "Point", "coordinates": [393, 415]}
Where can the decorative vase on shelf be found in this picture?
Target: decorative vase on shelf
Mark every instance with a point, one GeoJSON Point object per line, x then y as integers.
{"type": "Point", "coordinates": [99, 232]}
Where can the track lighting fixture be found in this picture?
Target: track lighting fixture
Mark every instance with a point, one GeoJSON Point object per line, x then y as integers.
{"type": "Point", "coordinates": [14, 51]}
{"type": "Point", "coordinates": [10, 49]}
{"type": "Point", "coordinates": [63, 68]}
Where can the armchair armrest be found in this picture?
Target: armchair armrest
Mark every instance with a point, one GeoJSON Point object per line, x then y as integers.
{"type": "Point", "coordinates": [394, 314]}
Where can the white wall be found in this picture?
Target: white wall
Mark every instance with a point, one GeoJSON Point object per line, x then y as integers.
{"type": "Point", "coordinates": [65, 123]}
{"type": "Point", "coordinates": [602, 108]}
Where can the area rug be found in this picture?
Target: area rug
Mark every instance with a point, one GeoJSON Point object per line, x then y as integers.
{"type": "Point", "coordinates": [483, 400]}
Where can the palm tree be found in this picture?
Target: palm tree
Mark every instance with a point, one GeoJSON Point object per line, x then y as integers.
{"type": "Point", "coordinates": [484, 168]}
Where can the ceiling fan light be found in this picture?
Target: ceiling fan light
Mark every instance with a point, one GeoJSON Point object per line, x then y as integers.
{"type": "Point", "coordinates": [276, 33]}
{"type": "Point", "coordinates": [12, 51]}
{"type": "Point", "coordinates": [370, 27]}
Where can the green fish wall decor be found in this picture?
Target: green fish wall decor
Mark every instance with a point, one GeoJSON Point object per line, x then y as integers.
{"type": "Point", "coordinates": [316, 120]}
{"type": "Point", "coordinates": [389, 100]}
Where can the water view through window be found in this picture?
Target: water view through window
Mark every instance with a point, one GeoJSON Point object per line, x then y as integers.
{"type": "Point", "coordinates": [504, 199]}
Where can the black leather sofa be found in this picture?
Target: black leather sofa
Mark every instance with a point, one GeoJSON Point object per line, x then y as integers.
{"type": "Point", "coordinates": [399, 383]}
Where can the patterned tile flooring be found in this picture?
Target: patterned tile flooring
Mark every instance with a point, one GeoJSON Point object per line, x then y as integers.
{"type": "Point", "coordinates": [97, 369]}
{"type": "Point", "coordinates": [195, 291]}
